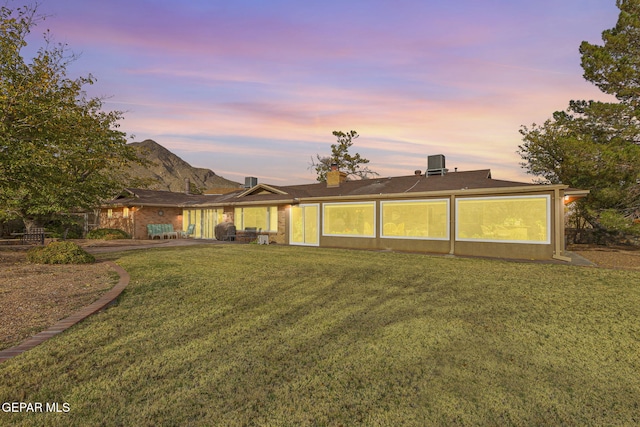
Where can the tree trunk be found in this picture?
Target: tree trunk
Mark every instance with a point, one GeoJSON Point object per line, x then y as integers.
{"type": "Point", "coordinates": [31, 223]}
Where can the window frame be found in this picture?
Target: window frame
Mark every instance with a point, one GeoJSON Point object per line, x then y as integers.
{"type": "Point", "coordinates": [397, 202]}
{"type": "Point", "coordinates": [363, 236]}
{"type": "Point", "coordinates": [317, 219]}
{"type": "Point", "coordinates": [239, 222]}
{"type": "Point", "coordinates": [548, 215]}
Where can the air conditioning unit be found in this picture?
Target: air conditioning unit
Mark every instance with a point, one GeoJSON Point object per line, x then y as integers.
{"type": "Point", "coordinates": [436, 165]}
{"type": "Point", "coordinates": [250, 181]}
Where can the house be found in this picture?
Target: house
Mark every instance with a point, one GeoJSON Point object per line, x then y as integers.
{"type": "Point", "coordinates": [134, 208]}
{"type": "Point", "coordinates": [461, 213]}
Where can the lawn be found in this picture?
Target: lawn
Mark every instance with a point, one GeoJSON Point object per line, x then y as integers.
{"type": "Point", "coordinates": [244, 335]}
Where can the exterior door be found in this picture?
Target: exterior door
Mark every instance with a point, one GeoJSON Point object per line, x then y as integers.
{"type": "Point", "coordinates": [304, 225]}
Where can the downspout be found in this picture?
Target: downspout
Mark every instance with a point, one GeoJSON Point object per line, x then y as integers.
{"type": "Point", "coordinates": [559, 227]}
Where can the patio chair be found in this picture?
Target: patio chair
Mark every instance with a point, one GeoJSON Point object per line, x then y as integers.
{"type": "Point", "coordinates": [190, 230]}
{"type": "Point", "coordinates": [154, 230]}
{"type": "Point", "coordinates": [250, 234]}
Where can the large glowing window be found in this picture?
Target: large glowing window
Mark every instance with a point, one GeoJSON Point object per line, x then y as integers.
{"type": "Point", "coordinates": [263, 218]}
{"type": "Point", "coordinates": [517, 219]}
{"type": "Point", "coordinates": [204, 220]}
{"type": "Point", "coordinates": [415, 219]}
{"type": "Point", "coordinates": [304, 225]}
{"type": "Point", "coordinates": [349, 219]}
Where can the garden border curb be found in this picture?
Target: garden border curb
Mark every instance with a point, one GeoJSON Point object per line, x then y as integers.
{"type": "Point", "coordinates": [64, 324]}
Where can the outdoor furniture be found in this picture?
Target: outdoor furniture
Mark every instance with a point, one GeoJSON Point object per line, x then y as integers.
{"type": "Point", "coordinates": [225, 231]}
{"type": "Point", "coordinates": [190, 230]}
{"type": "Point", "coordinates": [168, 232]}
{"type": "Point", "coordinates": [230, 234]}
{"type": "Point", "coordinates": [161, 231]}
{"type": "Point", "coordinates": [153, 231]}
{"type": "Point", "coordinates": [250, 234]}
{"type": "Point", "coordinates": [35, 235]}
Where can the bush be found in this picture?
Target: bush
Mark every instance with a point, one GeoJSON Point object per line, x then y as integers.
{"type": "Point", "coordinates": [107, 234]}
{"type": "Point", "coordinates": [57, 229]}
{"type": "Point", "coordinates": [59, 253]}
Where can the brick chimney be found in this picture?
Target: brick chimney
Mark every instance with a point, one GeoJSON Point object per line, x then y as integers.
{"type": "Point", "coordinates": [335, 177]}
{"type": "Point", "coordinates": [187, 186]}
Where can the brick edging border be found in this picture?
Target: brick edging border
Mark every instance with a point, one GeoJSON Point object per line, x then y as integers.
{"type": "Point", "coordinates": [77, 317]}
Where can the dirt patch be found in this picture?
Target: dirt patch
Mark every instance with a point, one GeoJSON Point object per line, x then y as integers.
{"type": "Point", "coordinates": [34, 297]}
{"type": "Point", "coordinates": [610, 257]}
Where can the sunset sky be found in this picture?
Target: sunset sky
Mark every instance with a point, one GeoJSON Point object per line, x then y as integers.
{"type": "Point", "coordinates": [255, 88]}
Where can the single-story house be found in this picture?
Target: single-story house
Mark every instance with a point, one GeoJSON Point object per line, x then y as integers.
{"type": "Point", "coordinates": [460, 213]}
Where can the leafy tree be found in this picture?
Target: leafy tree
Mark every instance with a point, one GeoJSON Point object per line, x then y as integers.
{"type": "Point", "coordinates": [351, 164]}
{"type": "Point", "coordinates": [58, 148]}
{"type": "Point", "coordinates": [596, 145]}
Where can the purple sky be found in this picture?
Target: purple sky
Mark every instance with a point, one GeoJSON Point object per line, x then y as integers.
{"type": "Point", "coordinates": [255, 88]}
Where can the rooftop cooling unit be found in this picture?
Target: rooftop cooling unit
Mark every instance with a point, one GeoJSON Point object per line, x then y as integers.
{"type": "Point", "coordinates": [436, 165]}
{"type": "Point", "coordinates": [250, 181]}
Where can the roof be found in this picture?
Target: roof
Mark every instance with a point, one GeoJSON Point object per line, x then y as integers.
{"type": "Point", "coordinates": [401, 186]}
{"type": "Point", "coordinates": [396, 186]}
{"type": "Point", "coordinates": [142, 197]}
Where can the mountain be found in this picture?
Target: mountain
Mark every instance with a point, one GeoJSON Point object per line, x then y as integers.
{"type": "Point", "coordinates": [167, 171]}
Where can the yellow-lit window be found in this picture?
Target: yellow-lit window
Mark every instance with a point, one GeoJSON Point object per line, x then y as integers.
{"type": "Point", "coordinates": [517, 219]}
{"type": "Point", "coordinates": [204, 221]}
{"type": "Point", "coordinates": [186, 218]}
{"type": "Point", "coordinates": [211, 218]}
{"type": "Point", "coordinates": [263, 218]}
{"type": "Point", "coordinates": [349, 219]}
{"type": "Point", "coordinates": [109, 213]}
{"type": "Point", "coordinates": [304, 225]}
{"type": "Point", "coordinates": [197, 220]}
{"type": "Point", "coordinates": [415, 219]}
{"type": "Point", "coordinates": [273, 218]}
{"type": "Point", "coordinates": [125, 212]}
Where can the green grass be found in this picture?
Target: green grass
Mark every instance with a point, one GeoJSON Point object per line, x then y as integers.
{"type": "Point", "coordinates": [268, 335]}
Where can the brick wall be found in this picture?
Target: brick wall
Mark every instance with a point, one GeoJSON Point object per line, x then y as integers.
{"type": "Point", "coordinates": [136, 223]}
{"type": "Point", "coordinates": [114, 218]}
{"type": "Point", "coordinates": [281, 235]}
{"type": "Point", "coordinates": [151, 215]}
{"type": "Point", "coordinates": [227, 214]}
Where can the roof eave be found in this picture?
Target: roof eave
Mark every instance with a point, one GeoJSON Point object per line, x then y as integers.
{"type": "Point", "coordinates": [442, 193]}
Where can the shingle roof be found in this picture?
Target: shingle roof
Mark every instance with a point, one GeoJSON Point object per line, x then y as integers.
{"type": "Point", "coordinates": [453, 181]}
{"type": "Point", "coordinates": [142, 197]}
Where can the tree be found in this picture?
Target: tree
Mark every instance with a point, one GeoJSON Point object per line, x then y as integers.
{"type": "Point", "coordinates": [615, 66]}
{"type": "Point", "coordinates": [350, 164]}
{"type": "Point", "coordinates": [596, 145]}
{"type": "Point", "coordinates": [58, 148]}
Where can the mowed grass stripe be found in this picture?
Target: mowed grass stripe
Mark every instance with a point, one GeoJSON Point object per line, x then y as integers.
{"type": "Point", "coordinates": [255, 335]}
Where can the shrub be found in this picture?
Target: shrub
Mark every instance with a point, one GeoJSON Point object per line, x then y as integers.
{"type": "Point", "coordinates": [107, 234]}
{"type": "Point", "coordinates": [59, 253]}
{"type": "Point", "coordinates": [57, 229]}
